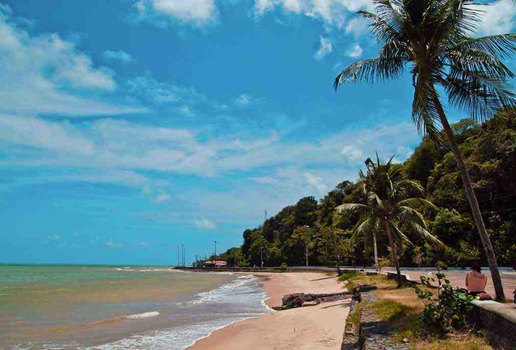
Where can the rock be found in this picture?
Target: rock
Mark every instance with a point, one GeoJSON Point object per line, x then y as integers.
{"type": "Point", "coordinates": [290, 301]}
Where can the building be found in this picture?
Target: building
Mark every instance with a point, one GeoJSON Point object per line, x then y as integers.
{"type": "Point", "coordinates": [214, 263]}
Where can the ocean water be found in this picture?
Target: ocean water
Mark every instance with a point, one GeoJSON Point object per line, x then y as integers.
{"type": "Point", "coordinates": [112, 307]}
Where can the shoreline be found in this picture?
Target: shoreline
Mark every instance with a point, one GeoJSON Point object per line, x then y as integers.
{"type": "Point", "coordinates": [314, 327]}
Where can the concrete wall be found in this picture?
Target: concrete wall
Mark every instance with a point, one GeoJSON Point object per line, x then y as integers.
{"type": "Point", "coordinates": [497, 321]}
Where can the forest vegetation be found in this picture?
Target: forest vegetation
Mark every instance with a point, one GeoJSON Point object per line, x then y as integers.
{"type": "Point", "coordinates": [489, 151]}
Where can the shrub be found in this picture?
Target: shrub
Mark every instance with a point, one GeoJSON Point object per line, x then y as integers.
{"type": "Point", "coordinates": [448, 310]}
{"type": "Point", "coordinates": [440, 265]}
{"type": "Point", "coordinates": [346, 276]}
{"type": "Point", "coordinates": [283, 267]}
{"type": "Point", "coordinates": [382, 262]}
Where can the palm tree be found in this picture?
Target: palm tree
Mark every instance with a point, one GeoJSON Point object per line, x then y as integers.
{"type": "Point", "coordinates": [433, 37]}
{"type": "Point", "coordinates": [393, 204]}
{"type": "Point", "coordinates": [304, 234]}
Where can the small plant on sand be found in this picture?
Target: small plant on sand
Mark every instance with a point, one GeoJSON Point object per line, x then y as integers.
{"type": "Point", "coordinates": [446, 311]}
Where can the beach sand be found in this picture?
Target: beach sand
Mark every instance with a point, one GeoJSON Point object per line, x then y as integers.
{"type": "Point", "coordinates": [312, 327]}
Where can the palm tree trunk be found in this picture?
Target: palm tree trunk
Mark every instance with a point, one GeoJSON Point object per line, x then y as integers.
{"type": "Point", "coordinates": [394, 253]}
{"type": "Point", "coordinates": [472, 198]}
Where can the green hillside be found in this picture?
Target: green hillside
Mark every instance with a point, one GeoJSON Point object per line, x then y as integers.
{"type": "Point", "coordinates": [490, 153]}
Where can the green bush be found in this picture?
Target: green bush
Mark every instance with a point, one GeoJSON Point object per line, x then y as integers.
{"type": "Point", "coordinates": [347, 276]}
{"type": "Point", "coordinates": [447, 311]}
{"type": "Point", "coordinates": [283, 267]}
{"type": "Point", "coordinates": [441, 265]}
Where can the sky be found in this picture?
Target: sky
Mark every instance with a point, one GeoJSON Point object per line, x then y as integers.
{"type": "Point", "coordinates": [128, 127]}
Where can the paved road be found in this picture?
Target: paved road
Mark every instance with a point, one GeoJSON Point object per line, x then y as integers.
{"type": "Point", "coordinates": [457, 278]}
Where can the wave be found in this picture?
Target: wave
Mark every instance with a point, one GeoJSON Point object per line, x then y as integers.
{"type": "Point", "coordinates": [229, 303]}
{"type": "Point", "coordinates": [148, 269]}
{"type": "Point", "coordinates": [143, 315]}
{"type": "Point", "coordinates": [126, 317]}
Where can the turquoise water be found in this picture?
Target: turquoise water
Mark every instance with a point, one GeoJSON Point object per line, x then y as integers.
{"type": "Point", "coordinates": [80, 306]}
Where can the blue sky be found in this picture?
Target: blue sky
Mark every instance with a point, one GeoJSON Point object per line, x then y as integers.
{"type": "Point", "coordinates": [128, 127]}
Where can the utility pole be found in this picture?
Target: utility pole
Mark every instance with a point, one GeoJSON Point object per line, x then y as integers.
{"type": "Point", "coordinates": [261, 254]}
{"type": "Point", "coordinates": [178, 256]}
{"type": "Point", "coordinates": [215, 255]}
{"type": "Point", "coordinates": [182, 254]}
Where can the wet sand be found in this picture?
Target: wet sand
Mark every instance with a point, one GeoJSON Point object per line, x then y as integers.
{"type": "Point", "coordinates": [312, 327]}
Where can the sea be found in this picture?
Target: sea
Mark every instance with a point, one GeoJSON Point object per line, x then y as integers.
{"type": "Point", "coordinates": [120, 307]}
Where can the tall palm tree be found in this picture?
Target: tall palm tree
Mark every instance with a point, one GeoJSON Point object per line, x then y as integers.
{"type": "Point", "coordinates": [433, 36]}
{"type": "Point", "coordinates": [393, 204]}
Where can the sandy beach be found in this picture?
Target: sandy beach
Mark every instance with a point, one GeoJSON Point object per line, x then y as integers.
{"type": "Point", "coordinates": [312, 327]}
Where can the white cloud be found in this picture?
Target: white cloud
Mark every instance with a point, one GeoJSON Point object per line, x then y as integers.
{"type": "Point", "coordinates": [325, 48]}
{"type": "Point", "coordinates": [196, 12]}
{"type": "Point", "coordinates": [265, 180]}
{"type": "Point", "coordinates": [316, 182]}
{"type": "Point", "coordinates": [36, 133]}
{"type": "Point", "coordinates": [121, 56]}
{"type": "Point", "coordinates": [355, 5]}
{"type": "Point", "coordinates": [162, 197]}
{"type": "Point", "coordinates": [204, 223]}
{"type": "Point", "coordinates": [352, 153]}
{"type": "Point", "coordinates": [357, 27]}
{"type": "Point", "coordinates": [497, 17]}
{"type": "Point", "coordinates": [243, 100]}
{"type": "Point", "coordinates": [285, 186]}
{"type": "Point", "coordinates": [118, 152]}
{"type": "Point", "coordinates": [115, 177]}
{"type": "Point", "coordinates": [162, 93]}
{"type": "Point", "coordinates": [355, 52]}
{"type": "Point", "coordinates": [53, 238]}
{"type": "Point", "coordinates": [110, 243]}
{"type": "Point", "coordinates": [330, 12]}
{"type": "Point", "coordinates": [123, 145]}
{"type": "Point", "coordinates": [44, 74]}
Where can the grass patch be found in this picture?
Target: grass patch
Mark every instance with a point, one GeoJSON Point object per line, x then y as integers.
{"type": "Point", "coordinates": [468, 342]}
{"type": "Point", "coordinates": [388, 310]}
{"type": "Point", "coordinates": [348, 276]}
{"type": "Point", "coordinates": [356, 279]}
{"type": "Point", "coordinates": [354, 317]}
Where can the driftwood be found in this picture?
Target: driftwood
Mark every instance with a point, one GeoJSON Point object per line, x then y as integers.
{"type": "Point", "coordinates": [290, 301]}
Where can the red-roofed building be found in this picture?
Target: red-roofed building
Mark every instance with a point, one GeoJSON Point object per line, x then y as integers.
{"type": "Point", "coordinates": [214, 263]}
